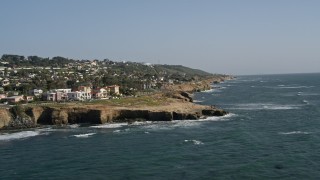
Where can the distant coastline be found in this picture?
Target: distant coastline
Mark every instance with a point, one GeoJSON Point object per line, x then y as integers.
{"type": "Point", "coordinates": [57, 91]}
{"type": "Point", "coordinates": [173, 103]}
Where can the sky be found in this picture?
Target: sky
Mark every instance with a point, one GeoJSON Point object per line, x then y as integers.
{"type": "Point", "coordinates": [218, 36]}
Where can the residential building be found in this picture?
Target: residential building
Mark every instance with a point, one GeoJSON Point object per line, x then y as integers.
{"type": "Point", "coordinates": [2, 96]}
{"type": "Point", "coordinates": [114, 89]}
{"type": "Point", "coordinates": [79, 96]}
{"type": "Point", "coordinates": [100, 93]}
{"type": "Point", "coordinates": [36, 92]}
{"type": "Point", "coordinates": [5, 82]}
{"type": "Point", "coordinates": [86, 89]}
{"type": "Point", "coordinates": [13, 99]}
{"type": "Point", "coordinates": [55, 96]}
{"type": "Point", "coordinates": [29, 98]}
{"type": "Point", "coordinates": [61, 90]}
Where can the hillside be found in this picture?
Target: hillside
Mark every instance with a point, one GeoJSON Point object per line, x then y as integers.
{"type": "Point", "coordinates": [181, 69]}
{"type": "Point", "coordinates": [22, 73]}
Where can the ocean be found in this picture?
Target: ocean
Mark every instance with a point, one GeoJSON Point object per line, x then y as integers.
{"type": "Point", "coordinates": [272, 131]}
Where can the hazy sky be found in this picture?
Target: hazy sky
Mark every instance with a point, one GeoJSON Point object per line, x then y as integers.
{"type": "Point", "coordinates": [219, 36]}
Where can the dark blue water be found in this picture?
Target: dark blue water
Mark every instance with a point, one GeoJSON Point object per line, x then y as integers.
{"type": "Point", "coordinates": [273, 131]}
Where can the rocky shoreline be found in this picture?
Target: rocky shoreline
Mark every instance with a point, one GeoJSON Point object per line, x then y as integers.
{"type": "Point", "coordinates": [176, 106]}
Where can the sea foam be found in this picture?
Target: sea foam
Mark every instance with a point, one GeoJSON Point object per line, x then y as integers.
{"type": "Point", "coordinates": [18, 135]}
{"type": "Point", "coordinates": [74, 126]}
{"type": "Point", "coordinates": [292, 87]}
{"type": "Point", "coordinates": [294, 132]}
{"type": "Point", "coordinates": [209, 91]}
{"type": "Point", "coordinates": [110, 126]}
{"type": "Point", "coordinates": [264, 106]}
{"type": "Point", "coordinates": [84, 135]}
{"type": "Point", "coordinates": [219, 118]}
{"type": "Point", "coordinates": [195, 142]}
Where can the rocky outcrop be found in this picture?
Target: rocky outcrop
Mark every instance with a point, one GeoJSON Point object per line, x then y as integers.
{"type": "Point", "coordinates": [186, 116]}
{"type": "Point", "coordinates": [214, 112]}
{"type": "Point", "coordinates": [178, 106]}
{"type": "Point", "coordinates": [15, 118]}
{"type": "Point", "coordinates": [31, 117]}
{"type": "Point", "coordinates": [179, 95]}
{"type": "Point", "coordinates": [5, 117]}
{"type": "Point", "coordinates": [197, 86]}
{"type": "Point", "coordinates": [186, 95]}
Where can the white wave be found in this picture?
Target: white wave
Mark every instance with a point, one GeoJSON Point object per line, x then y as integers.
{"type": "Point", "coordinates": [117, 131]}
{"type": "Point", "coordinates": [308, 94]}
{"type": "Point", "coordinates": [197, 122]}
{"type": "Point", "coordinates": [294, 87]}
{"type": "Point", "coordinates": [208, 91]}
{"type": "Point", "coordinates": [305, 101]}
{"type": "Point", "coordinates": [49, 129]}
{"type": "Point", "coordinates": [197, 101]}
{"type": "Point", "coordinates": [195, 142]}
{"type": "Point", "coordinates": [218, 118]}
{"type": "Point", "coordinates": [110, 125]}
{"type": "Point", "coordinates": [156, 126]}
{"type": "Point", "coordinates": [73, 126]}
{"type": "Point", "coordinates": [84, 135]}
{"type": "Point", "coordinates": [184, 123]}
{"type": "Point", "coordinates": [138, 123]}
{"type": "Point", "coordinates": [261, 106]}
{"type": "Point", "coordinates": [294, 132]}
{"type": "Point", "coordinates": [18, 135]}
{"type": "Point", "coordinates": [244, 80]}
{"type": "Point", "coordinates": [280, 107]}
{"type": "Point", "coordinates": [217, 91]}
{"type": "Point", "coordinates": [170, 125]}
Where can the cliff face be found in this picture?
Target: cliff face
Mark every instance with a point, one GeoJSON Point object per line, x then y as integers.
{"type": "Point", "coordinates": [198, 85]}
{"type": "Point", "coordinates": [58, 116]}
{"type": "Point", "coordinates": [178, 106]}
{"type": "Point", "coordinates": [5, 117]}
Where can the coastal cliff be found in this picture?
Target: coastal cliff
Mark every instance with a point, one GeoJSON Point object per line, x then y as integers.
{"type": "Point", "coordinates": [34, 116]}
{"type": "Point", "coordinates": [196, 86]}
{"type": "Point", "coordinates": [175, 103]}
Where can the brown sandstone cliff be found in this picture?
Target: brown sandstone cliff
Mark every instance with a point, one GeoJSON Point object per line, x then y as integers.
{"type": "Point", "coordinates": [94, 114]}
{"type": "Point", "coordinates": [173, 104]}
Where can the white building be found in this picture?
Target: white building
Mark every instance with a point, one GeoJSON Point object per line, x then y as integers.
{"type": "Point", "coordinates": [61, 90]}
{"type": "Point", "coordinates": [100, 93]}
{"type": "Point", "coordinates": [36, 92]}
{"type": "Point", "coordinates": [79, 96]}
{"type": "Point", "coordinates": [5, 82]}
{"type": "Point", "coordinates": [114, 89]}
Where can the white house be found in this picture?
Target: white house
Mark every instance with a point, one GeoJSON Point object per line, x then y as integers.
{"type": "Point", "coordinates": [79, 95]}
{"type": "Point", "coordinates": [61, 90]}
{"type": "Point", "coordinates": [5, 82]}
{"type": "Point", "coordinates": [36, 92]}
{"type": "Point", "coordinates": [114, 89]}
{"type": "Point", "coordinates": [13, 99]}
{"type": "Point", "coordinates": [57, 95]}
{"type": "Point", "coordinates": [100, 93]}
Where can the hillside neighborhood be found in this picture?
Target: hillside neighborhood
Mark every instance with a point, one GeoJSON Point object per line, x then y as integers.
{"type": "Point", "coordinates": [59, 79]}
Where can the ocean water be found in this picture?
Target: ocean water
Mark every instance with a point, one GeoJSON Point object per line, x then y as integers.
{"type": "Point", "coordinates": [272, 131]}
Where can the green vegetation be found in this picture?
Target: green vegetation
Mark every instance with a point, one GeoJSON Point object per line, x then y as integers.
{"type": "Point", "coordinates": [179, 69]}
{"type": "Point", "coordinates": [129, 102]}
{"type": "Point", "coordinates": [33, 72]}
